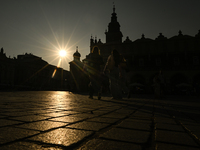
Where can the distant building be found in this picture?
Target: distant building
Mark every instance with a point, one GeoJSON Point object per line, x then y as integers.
{"type": "Point", "coordinates": [7, 70]}
{"type": "Point", "coordinates": [177, 57]}
{"type": "Point", "coordinates": [30, 72]}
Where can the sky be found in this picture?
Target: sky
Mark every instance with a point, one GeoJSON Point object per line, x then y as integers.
{"type": "Point", "coordinates": [43, 27]}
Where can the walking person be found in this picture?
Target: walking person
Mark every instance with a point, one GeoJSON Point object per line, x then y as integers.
{"type": "Point", "coordinates": [156, 85]}
{"type": "Point", "coordinates": [112, 70]}
{"type": "Point", "coordinates": [93, 68]}
{"type": "Point", "coordinates": [162, 84]}
{"type": "Point", "coordinates": [123, 81]}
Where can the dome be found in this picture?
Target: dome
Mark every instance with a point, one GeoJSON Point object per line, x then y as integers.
{"type": "Point", "coordinates": [77, 54]}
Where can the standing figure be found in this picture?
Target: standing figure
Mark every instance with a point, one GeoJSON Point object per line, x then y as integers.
{"type": "Point", "coordinates": [93, 66]}
{"type": "Point", "coordinates": [123, 81]}
{"type": "Point", "coordinates": [162, 84]}
{"type": "Point", "coordinates": [112, 70]}
{"type": "Point", "coordinates": [157, 90]}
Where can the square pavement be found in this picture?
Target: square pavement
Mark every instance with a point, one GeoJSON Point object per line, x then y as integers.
{"type": "Point", "coordinates": [63, 120]}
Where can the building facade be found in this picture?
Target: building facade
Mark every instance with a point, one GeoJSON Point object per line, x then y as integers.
{"type": "Point", "coordinates": [177, 57]}
{"type": "Point", "coordinates": [79, 78]}
{"type": "Point", "coordinates": [7, 71]}
{"type": "Point", "coordinates": [30, 72]}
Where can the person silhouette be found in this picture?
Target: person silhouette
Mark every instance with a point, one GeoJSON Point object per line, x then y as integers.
{"type": "Point", "coordinates": [112, 70]}
{"type": "Point", "coordinates": [94, 63]}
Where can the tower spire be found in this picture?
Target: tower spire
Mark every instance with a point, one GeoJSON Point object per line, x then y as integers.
{"type": "Point", "coordinates": [113, 35]}
{"type": "Point", "coordinates": [113, 7]}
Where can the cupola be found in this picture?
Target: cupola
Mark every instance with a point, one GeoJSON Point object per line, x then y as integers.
{"type": "Point", "coordinates": [77, 55]}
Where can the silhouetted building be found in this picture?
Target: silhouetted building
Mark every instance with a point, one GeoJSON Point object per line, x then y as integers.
{"type": "Point", "coordinates": [79, 79]}
{"type": "Point", "coordinates": [7, 71]}
{"type": "Point", "coordinates": [178, 57]}
{"type": "Point", "coordinates": [30, 72]}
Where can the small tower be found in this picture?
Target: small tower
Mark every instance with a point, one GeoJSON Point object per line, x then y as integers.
{"type": "Point", "coordinates": [76, 55]}
{"type": "Point", "coordinates": [114, 35]}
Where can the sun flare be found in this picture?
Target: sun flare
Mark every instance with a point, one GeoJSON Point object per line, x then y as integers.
{"type": "Point", "coordinates": [62, 53]}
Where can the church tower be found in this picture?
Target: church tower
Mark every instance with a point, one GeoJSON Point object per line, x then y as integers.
{"type": "Point", "coordinates": [79, 80]}
{"type": "Point", "coordinates": [77, 55]}
{"type": "Point", "coordinates": [113, 35]}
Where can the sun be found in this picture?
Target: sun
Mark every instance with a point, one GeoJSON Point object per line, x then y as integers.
{"type": "Point", "coordinates": [62, 53]}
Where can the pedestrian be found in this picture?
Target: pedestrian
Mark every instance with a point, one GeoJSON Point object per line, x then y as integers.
{"type": "Point", "coordinates": [93, 66]}
{"type": "Point", "coordinates": [123, 81]}
{"type": "Point", "coordinates": [112, 70]}
{"type": "Point", "coordinates": [162, 84]}
{"type": "Point", "coordinates": [156, 85]}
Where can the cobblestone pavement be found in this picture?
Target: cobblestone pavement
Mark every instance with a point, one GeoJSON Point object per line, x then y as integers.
{"type": "Point", "coordinates": [63, 120]}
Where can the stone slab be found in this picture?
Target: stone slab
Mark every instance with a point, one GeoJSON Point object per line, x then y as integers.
{"type": "Point", "coordinates": [127, 135]}
{"type": "Point", "coordinates": [8, 134]}
{"type": "Point", "coordinates": [42, 125]}
{"type": "Point", "coordinates": [62, 136]}
{"type": "Point", "coordinates": [135, 124]}
{"type": "Point", "coordinates": [176, 138]}
{"type": "Point", "coordinates": [100, 144]}
{"type": "Point", "coordinates": [85, 125]}
{"type": "Point", "coordinates": [6, 122]}
{"type": "Point", "coordinates": [103, 120]}
{"type": "Point", "coordinates": [67, 119]}
{"type": "Point", "coordinates": [30, 118]}
{"type": "Point", "coordinates": [28, 146]}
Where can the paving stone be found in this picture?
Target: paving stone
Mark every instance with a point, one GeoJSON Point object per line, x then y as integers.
{"type": "Point", "coordinates": [165, 120]}
{"type": "Point", "coordinates": [5, 122]}
{"type": "Point", "coordinates": [14, 114]}
{"type": "Point", "coordinates": [53, 114]}
{"type": "Point", "coordinates": [135, 124]}
{"type": "Point", "coordinates": [142, 115]}
{"type": "Point", "coordinates": [30, 118]}
{"type": "Point", "coordinates": [28, 146]}
{"type": "Point", "coordinates": [43, 111]}
{"type": "Point", "coordinates": [42, 125]}
{"type": "Point", "coordinates": [173, 137]}
{"type": "Point", "coordinates": [8, 134]}
{"type": "Point", "coordinates": [85, 125]}
{"type": "Point", "coordinates": [62, 136]}
{"type": "Point", "coordinates": [84, 115]}
{"type": "Point", "coordinates": [127, 135]}
{"type": "Point", "coordinates": [194, 128]}
{"type": "Point", "coordinates": [189, 122]}
{"type": "Point", "coordinates": [103, 120]}
{"type": "Point", "coordinates": [170, 127]}
{"type": "Point", "coordinates": [98, 112]}
{"type": "Point", "coordinates": [115, 115]}
{"type": "Point", "coordinates": [197, 134]}
{"type": "Point", "coordinates": [174, 146]}
{"type": "Point", "coordinates": [53, 119]}
{"type": "Point", "coordinates": [68, 112]}
{"type": "Point", "coordinates": [2, 116]}
{"type": "Point", "coordinates": [125, 111]}
{"type": "Point", "coordinates": [99, 144]}
{"type": "Point", "coordinates": [67, 119]}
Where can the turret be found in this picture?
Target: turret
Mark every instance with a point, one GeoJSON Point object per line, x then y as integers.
{"type": "Point", "coordinates": [114, 35]}
{"type": "Point", "coordinates": [77, 55]}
